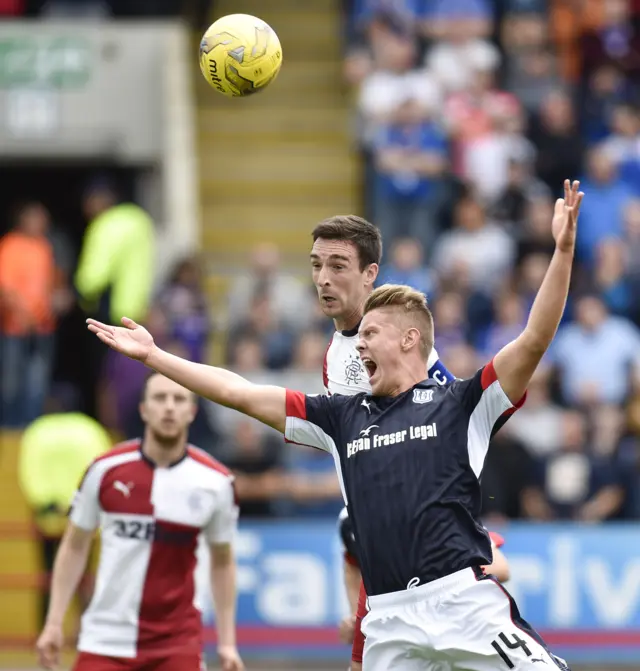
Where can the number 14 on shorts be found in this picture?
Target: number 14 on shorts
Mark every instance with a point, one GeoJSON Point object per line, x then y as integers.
{"type": "Point", "coordinates": [504, 643]}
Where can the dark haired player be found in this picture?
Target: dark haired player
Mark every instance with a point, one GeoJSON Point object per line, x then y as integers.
{"type": "Point", "coordinates": [345, 260]}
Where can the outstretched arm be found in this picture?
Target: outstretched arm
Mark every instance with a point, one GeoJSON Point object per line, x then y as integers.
{"type": "Point", "coordinates": [264, 402]}
{"type": "Point", "coordinates": [516, 362]}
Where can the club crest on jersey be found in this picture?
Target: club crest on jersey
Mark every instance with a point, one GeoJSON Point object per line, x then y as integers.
{"type": "Point", "coordinates": [354, 371]}
{"type": "Point", "coordinates": [422, 395]}
{"type": "Point", "coordinates": [194, 501]}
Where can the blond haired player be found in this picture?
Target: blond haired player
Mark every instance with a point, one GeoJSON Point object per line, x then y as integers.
{"type": "Point", "coordinates": [409, 457]}
{"type": "Point", "coordinates": [151, 499]}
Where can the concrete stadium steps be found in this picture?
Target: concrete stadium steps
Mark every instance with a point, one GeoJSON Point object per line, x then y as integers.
{"type": "Point", "coordinates": [274, 164]}
{"type": "Point", "coordinates": [256, 117]}
{"type": "Point", "coordinates": [288, 162]}
{"type": "Point", "coordinates": [19, 566]}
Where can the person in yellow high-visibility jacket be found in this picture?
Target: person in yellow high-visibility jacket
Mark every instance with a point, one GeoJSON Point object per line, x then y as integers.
{"type": "Point", "coordinates": [55, 451]}
{"type": "Point", "coordinates": [115, 274]}
{"type": "Point", "coordinates": [115, 271]}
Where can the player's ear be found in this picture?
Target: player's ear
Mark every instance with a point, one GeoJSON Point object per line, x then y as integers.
{"type": "Point", "coordinates": [410, 339]}
{"type": "Point", "coordinates": [143, 411]}
{"type": "Point", "coordinates": [371, 272]}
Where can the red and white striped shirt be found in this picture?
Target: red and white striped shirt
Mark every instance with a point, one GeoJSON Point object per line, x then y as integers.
{"type": "Point", "coordinates": [150, 519]}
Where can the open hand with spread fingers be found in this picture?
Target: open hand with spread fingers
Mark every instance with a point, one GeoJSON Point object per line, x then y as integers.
{"type": "Point", "coordinates": [130, 339]}
{"type": "Point", "coordinates": [565, 216]}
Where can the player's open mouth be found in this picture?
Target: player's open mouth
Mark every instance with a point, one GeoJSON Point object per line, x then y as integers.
{"type": "Point", "coordinates": [328, 300]}
{"type": "Point", "coordinates": [371, 367]}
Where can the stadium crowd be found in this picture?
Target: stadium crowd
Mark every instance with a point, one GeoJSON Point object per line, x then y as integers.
{"type": "Point", "coordinates": [470, 113]}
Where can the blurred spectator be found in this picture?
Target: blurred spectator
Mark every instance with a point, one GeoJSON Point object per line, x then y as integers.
{"type": "Point", "coordinates": [505, 474]}
{"type": "Point", "coordinates": [623, 145]}
{"type": "Point", "coordinates": [410, 155]}
{"type": "Point", "coordinates": [536, 236]}
{"type": "Point", "coordinates": [184, 305]}
{"type": "Point", "coordinates": [406, 266]}
{"type": "Point", "coordinates": [487, 160]}
{"type": "Point", "coordinates": [470, 114]}
{"type": "Point", "coordinates": [598, 356]}
{"type": "Point", "coordinates": [523, 30]}
{"type": "Point", "coordinates": [115, 271]}
{"type": "Point", "coordinates": [531, 273]}
{"type": "Point", "coordinates": [247, 355]}
{"type": "Point", "coordinates": [612, 441]}
{"type": "Point", "coordinates": [459, 55]}
{"type": "Point", "coordinates": [449, 322]}
{"type": "Point", "coordinates": [393, 78]}
{"type": "Point", "coordinates": [262, 322]}
{"type": "Point", "coordinates": [482, 250]}
{"type": "Point", "coordinates": [615, 42]}
{"type": "Point", "coordinates": [31, 294]}
{"type": "Point", "coordinates": [610, 280]}
{"type": "Point", "coordinates": [601, 215]}
{"type": "Point", "coordinates": [309, 352]}
{"type": "Point", "coordinates": [556, 135]}
{"type": "Point", "coordinates": [522, 189]}
{"type": "Point", "coordinates": [533, 75]}
{"type": "Point", "coordinates": [538, 423]}
{"type": "Point", "coordinates": [114, 276]}
{"type": "Point", "coordinates": [470, 19]}
{"type": "Point", "coordinates": [365, 13]}
{"type": "Point", "coordinates": [254, 457]}
{"type": "Point", "coordinates": [605, 90]}
{"type": "Point", "coordinates": [462, 360]}
{"type": "Point", "coordinates": [55, 451]}
{"type": "Point", "coordinates": [509, 323]}
{"type": "Point", "coordinates": [287, 297]}
{"type": "Point", "coordinates": [305, 370]}
{"type": "Point", "coordinates": [573, 483]}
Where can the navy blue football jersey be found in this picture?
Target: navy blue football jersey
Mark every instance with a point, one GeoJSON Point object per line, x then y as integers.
{"type": "Point", "coordinates": [409, 469]}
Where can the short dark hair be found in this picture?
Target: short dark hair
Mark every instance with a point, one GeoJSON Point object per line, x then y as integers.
{"type": "Point", "coordinates": [145, 386]}
{"type": "Point", "coordinates": [363, 234]}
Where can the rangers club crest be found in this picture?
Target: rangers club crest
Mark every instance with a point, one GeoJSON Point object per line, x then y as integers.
{"type": "Point", "coordinates": [353, 371]}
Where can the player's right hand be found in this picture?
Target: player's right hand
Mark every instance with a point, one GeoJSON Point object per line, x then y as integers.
{"type": "Point", "coordinates": [130, 339]}
{"type": "Point", "coordinates": [49, 646]}
{"type": "Point", "coordinates": [347, 629]}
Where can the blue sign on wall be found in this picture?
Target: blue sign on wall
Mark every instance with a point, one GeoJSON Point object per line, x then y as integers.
{"type": "Point", "coordinates": [579, 586]}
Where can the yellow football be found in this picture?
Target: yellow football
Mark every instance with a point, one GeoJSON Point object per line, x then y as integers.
{"type": "Point", "coordinates": [240, 54]}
